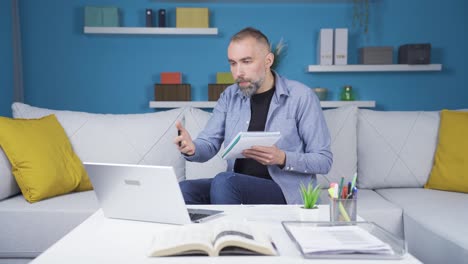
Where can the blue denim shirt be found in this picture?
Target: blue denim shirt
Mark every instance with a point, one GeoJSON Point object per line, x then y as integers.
{"type": "Point", "coordinates": [295, 111]}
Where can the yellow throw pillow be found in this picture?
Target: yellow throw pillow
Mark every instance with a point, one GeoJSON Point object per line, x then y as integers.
{"type": "Point", "coordinates": [450, 169]}
{"type": "Point", "coordinates": [42, 159]}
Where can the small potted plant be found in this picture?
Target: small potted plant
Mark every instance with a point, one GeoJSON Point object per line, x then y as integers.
{"type": "Point", "coordinates": [310, 195]}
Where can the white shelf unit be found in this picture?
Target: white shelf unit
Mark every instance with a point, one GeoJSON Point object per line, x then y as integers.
{"type": "Point", "coordinates": [151, 30]}
{"type": "Point", "coordinates": [374, 68]}
{"type": "Point", "coordinates": [256, 1]}
{"type": "Point", "coordinates": [211, 104]}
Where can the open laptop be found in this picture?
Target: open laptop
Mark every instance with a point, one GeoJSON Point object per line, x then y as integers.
{"type": "Point", "coordinates": [143, 193]}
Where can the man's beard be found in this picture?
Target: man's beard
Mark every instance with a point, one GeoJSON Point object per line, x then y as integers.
{"type": "Point", "coordinates": [250, 89]}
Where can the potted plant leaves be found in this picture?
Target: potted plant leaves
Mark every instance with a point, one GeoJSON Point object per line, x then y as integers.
{"type": "Point", "coordinates": [310, 197]}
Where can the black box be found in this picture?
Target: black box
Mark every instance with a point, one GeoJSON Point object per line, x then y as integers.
{"type": "Point", "coordinates": [162, 18]}
{"type": "Point", "coordinates": [149, 17]}
{"type": "Point", "coordinates": [414, 54]}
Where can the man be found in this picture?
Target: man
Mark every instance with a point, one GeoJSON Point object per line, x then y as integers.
{"type": "Point", "coordinates": [260, 100]}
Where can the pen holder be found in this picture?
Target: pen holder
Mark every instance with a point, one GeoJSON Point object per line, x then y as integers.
{"type": "Point", "coordinates": [343, 210]}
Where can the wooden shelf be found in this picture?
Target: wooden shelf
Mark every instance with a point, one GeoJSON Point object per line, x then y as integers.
{"type": "Point", "coordinates": [374, 68]}
{"type": "Point", "coordinates": [211, 104]}
{"type": "Point", "coordinates": [151, 30]}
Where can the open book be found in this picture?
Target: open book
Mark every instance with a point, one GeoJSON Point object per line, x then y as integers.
{"type": "Point", "coordinates": [212, 239]}
{"type": "Point", "coordinates": [245, 140]}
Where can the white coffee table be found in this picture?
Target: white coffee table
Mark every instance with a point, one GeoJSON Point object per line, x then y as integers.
{"type": "Point", "coordinates": [103, 240]}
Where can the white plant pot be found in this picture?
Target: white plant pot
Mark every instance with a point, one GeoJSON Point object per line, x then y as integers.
{"type": "Point", "coordinates": [306, 215]}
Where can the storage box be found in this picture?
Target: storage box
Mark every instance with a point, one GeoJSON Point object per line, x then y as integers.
{"type": "Point", "coordinates": [171, 78]}
{"type": "Point", "coordinates": [172, 92]}
{"type": "Point", "coordinates": [101, 16]}
{"type": "Point", "coordinates": [192, 17]}
{"type": "Point", "coordinates": [341, 46]}
{"type": "Point", "coordinates": [224, 77]}
{"type": "Point", "coordinates": [414, 54]}
{"type": "Point", "coordinates": [215, 90]}
{"type": "Point", "coordinates": [376, 55]}
{"type": "Point", "coordinates": [325, 47]}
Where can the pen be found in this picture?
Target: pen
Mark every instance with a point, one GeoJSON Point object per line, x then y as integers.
{"type": "Point", "coordinates": [344, 195]}
{"type": "Point", "coordinates": [353, 183]}
{"type": "Point", "coordinates": [333, 190]}
{"type": "Point", "coordinates": [340, 189]}
{"type": "Point", "coordinates": [350, 190]}
{"type": "Point", "coordinates": [343, 212]}
{"type": "Point", "coordinates": [354, 193]}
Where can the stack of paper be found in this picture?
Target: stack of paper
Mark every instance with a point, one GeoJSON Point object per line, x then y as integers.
{"type": "Point", "coordinates": [335, 240]}
{"type": "Point", "coordinates": [245, 140]}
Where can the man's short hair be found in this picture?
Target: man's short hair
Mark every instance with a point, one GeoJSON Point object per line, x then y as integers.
{"type": "Point", "coordinates": [253, 33]}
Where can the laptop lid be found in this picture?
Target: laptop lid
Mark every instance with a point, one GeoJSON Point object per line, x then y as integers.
{"type": "Point", "coordinates": [138, 192]}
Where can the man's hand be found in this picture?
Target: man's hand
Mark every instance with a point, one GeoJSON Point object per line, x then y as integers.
{"type": "Point", "coordinates": [184, 141]}
{"type": "Point", "coordinates": [266, 155]}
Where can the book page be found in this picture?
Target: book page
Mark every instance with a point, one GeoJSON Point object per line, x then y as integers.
{"type": "Point", "coordinates": [182, 240]}
{"type": "Point", "coordinates": [239, 239]}
{"type": "Point", "coordinates": [245, 140]}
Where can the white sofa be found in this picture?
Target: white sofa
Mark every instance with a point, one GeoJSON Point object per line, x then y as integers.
{"type": "Point", "coordinates": [391, 151]}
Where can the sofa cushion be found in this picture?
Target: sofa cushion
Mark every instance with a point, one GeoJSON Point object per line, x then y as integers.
{"type": "Point", "coordinates": [43, 161]}
{"type": "Point", "coordinates": [395, 149]}
{"type": "Point", "coordinates": [9, 187]}
{"type": "Point", "coordinates": [132, 139]}
{"type": "Point", "coordinates": [195, 121]}
{"type": "Point", "coordinates": [450, 170]}
{"type": "Point", "coordinates": [436, 217]}
{"type": "Point", "coordinates": [342, 125]}
{"type": "Point", "coordinates": [375, 208]}
{"type": "Point", "coordinates": [29, 229]}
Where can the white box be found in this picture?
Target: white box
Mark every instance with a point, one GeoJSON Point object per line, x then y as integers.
{"type": "Point", "coordinates": [325, 47]}
{"type": "Point", "coordinates": [341, 46]}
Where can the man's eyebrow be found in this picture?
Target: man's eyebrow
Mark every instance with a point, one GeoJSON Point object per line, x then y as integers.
{"type": "Point", "coordinates": [241, 59]}
{"type": "Point", "coordinates": [246, 58]}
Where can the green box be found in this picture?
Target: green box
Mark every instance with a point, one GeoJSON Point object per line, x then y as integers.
{"type": "Point", "coordinates": [224, 77]}
{"type": "Point", "coordinates": [96, 16]}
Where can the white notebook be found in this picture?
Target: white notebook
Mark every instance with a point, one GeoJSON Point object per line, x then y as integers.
{"type": "Point", "coordinates": [245, 140]}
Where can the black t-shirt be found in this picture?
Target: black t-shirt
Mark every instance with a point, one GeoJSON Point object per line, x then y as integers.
{"type": "Point", "coordinates": [259, 106]}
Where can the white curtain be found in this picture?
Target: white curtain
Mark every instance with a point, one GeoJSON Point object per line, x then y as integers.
{"type": "Point", "coordinates": [18, 90]}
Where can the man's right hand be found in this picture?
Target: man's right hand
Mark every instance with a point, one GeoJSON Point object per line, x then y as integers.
{"type": "Point", "coordinates": [184, 140]}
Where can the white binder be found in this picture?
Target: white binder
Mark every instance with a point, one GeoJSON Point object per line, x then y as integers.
{"type": "Point", "coordinates": [341, 46]}
{"type": "Point", "coordinates": [325, 47]}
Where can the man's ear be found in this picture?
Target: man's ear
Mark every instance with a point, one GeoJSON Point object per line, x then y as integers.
{"type": "Point", "coordinates": [269, 59]}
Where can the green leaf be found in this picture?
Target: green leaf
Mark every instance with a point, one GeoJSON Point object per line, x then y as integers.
{"type": "Point", "coordinates": [309, 194]}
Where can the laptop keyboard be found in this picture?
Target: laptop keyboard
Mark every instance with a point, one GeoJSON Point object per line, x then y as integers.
{"type": "Point", "coordinates": [196, 216]}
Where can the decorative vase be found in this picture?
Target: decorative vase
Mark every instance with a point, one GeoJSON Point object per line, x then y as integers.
{"type": "Point", "coordinates": [347, 93]}
{"type": "Point", "coordinates": [321, 93]}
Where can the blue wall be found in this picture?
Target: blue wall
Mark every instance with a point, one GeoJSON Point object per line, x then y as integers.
{"type": "Point", "coordinates": [66, 69]}
{"type": "Point", "coordinates": [6, 59]}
